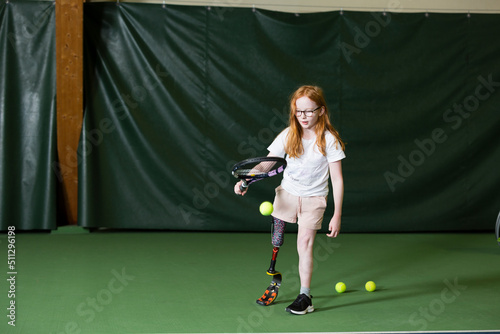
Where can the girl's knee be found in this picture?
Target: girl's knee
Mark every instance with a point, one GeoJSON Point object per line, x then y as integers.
{"type": "Point", "coordinates": [305, 240]}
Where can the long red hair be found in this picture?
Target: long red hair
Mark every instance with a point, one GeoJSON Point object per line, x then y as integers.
{"type": "Point", "coordinates": [293, 146]}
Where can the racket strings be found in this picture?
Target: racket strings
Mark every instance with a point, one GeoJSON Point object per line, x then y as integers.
{"type": "Point", "coordinates": [249, 172]}
{"type": "Point", "coordinates": [261, 169]}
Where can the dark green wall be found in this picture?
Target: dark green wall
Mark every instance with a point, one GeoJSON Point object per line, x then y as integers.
{"type": "Point", "coordinates": [175, 95]}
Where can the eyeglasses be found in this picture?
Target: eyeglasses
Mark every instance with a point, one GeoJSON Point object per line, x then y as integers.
{"type": "Point", "coordinates": [308, 113]}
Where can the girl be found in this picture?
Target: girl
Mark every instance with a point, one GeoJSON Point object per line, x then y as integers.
{"type": "Point", "coordinates": [314, 151]}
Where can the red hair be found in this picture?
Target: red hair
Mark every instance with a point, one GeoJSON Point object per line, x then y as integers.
{"type": "Point", "coordinates": [293, 146]}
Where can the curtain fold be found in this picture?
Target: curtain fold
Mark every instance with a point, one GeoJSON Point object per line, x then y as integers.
{"type": "Point", "coordinates": [27, 116]}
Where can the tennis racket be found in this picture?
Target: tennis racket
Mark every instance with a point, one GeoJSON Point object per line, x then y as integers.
{"type": "Point", "coordinates": [256, 169]}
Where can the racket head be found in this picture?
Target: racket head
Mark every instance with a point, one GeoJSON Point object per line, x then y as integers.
{"type": "Point", "coordinates": [255, 169]}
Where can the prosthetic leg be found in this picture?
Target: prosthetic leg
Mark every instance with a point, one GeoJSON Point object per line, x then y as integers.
{"type": "Point", "coordinates": [271, 292]}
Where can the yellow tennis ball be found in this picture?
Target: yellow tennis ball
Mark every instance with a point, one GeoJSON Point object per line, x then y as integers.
{"type": "Point", "coordinates": [340, 287]}
{"type": "Point", "coordinates": [370, 286]}
{"type": "Point", "coordinates": [266, 208]}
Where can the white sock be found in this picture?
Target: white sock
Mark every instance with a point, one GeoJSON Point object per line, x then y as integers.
{"type": "Point", "coordinates": [306, 291]}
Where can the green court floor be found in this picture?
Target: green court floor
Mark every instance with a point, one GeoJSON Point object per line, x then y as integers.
{"type": "Point", "coordinates": [164, 282]}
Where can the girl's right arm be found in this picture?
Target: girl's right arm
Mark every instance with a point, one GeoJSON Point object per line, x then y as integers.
{"type": "Point", "coordinates": [237, 189]}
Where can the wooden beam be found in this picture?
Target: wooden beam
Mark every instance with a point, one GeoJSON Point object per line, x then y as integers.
{"type": "Point", "coordinates": [69, 77]}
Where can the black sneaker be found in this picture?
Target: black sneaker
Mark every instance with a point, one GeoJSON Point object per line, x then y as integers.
{"type": "Point", "coordinates": [301, 305]}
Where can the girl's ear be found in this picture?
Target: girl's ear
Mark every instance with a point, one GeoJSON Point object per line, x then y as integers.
{"type": "Point", "coordinates": [322, 111]}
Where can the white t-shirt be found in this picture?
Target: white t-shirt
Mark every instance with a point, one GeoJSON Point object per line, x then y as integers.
{"type": "Point", "coordinates": [307, 175]}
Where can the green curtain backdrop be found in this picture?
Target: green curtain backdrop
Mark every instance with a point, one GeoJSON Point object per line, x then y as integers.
{"type": "Point", "coordinates": [176, 94]}
{"type": "Point", "coordinates": [27, 115]}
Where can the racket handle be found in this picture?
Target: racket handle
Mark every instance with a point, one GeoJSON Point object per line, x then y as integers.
{"type": "Point", "coordinates": [243, 186]}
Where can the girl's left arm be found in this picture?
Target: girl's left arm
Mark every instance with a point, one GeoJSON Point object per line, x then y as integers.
{"type": "Point", "coordinates": [338, 197]}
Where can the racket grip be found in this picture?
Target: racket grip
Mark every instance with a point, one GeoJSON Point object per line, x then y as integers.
{"type": "Point", "coordinates": [243, 186]}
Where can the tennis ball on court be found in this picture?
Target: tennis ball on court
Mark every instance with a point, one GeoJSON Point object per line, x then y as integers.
{"type": "Point", "coordinates": [370, 286]}
{"type": "Point", "coordinates": [266, 208]}
{"type": "Point", "coordinates": [340, 287]}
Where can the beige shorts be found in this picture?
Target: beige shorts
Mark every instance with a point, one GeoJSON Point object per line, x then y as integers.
{"type": "Point", "coordinates": [306, 211]}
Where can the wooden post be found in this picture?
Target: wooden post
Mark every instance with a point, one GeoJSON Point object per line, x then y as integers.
{"type": "Point", "coordinates": [69, 77]}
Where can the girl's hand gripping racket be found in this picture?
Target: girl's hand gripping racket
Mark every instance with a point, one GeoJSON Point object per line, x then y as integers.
{"type": "Point", "coordinates": [256, 169]}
